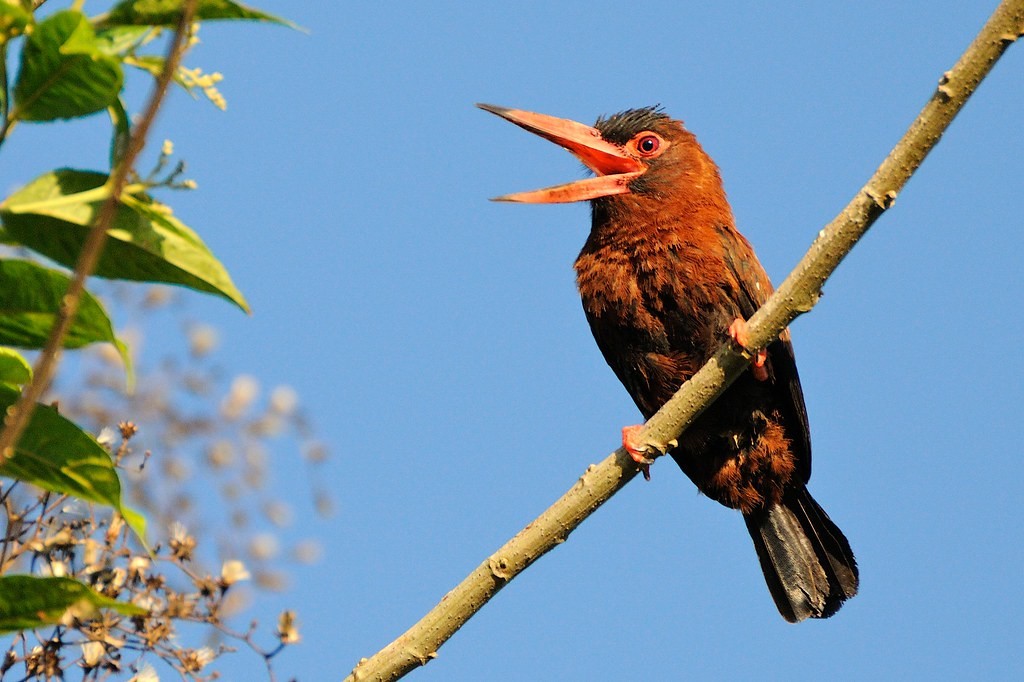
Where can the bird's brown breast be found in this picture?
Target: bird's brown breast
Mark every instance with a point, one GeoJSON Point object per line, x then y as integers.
{"type": "Point", "coordinates": [659, 299]}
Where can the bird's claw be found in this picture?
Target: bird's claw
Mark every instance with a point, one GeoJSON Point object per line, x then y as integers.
{"type": "Point", "coordinates": [636, 451]}
{"type": "Point", "coordinates": [740, 335]}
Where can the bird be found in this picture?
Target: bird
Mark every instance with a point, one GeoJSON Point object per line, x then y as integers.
{"type": "Point", "coordinates": [665, 279]}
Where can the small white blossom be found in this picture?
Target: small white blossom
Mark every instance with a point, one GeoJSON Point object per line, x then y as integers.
{"type": "Point", "coordinates": [92, 652]}
{"type": "Point", "coordinates": [232, 572]}
{"type": "Point", "coordinates": [145, 674]}
{"type": "Point", "coordinates": [107, 437]}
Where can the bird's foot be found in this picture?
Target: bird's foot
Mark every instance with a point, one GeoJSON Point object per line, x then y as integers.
{"type": "Point", "coordinates": [629, 434]}
{"type": "Point", "coordinates": [739, 333]}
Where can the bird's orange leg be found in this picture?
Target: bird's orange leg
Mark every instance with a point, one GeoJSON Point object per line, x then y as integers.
{"type": "Point", "coordinates": [629, 434]}
{"type": "Point", "coordinates": [738, 333]}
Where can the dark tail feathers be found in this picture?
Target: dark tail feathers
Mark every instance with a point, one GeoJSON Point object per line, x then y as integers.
{"type": "Point", "coordinates": [806, 559]}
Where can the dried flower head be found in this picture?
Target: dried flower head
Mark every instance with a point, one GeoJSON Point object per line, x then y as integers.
{"type": "Point", "coordinates": [202, 340]}
{"type": "Point", "coordinates": [194, 660]}
{"type": "Point", "coordinates": [182, 544]}
{"type": "Point", "coordinates": [128, 429]}
{"type": "Point", "coordinates": [287, 628]}
{"type": "Point", "coordinates": [137, 567]}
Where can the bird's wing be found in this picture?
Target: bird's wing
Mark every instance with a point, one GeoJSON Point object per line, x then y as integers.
{"type": "Point", "coordinates": [754, 288]}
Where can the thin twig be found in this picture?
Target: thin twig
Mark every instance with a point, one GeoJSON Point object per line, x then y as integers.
{"type": "Point", "coordinates": [797, 295]}
{"type": "Point", "coordinates": [18, 415]}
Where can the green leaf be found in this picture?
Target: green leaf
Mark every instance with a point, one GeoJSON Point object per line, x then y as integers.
{"type": "Point", "coordinates": [64, 73]}
{"type": "Point", "coordinates": [14, 369]}
{"type": "Point", "coordinates": [168, 12]}
{"type": "Point", "coordinates": [123, 41]}
{"type": "Point", "coordinates": [122, 131]}
{"type": "Point", "coordinates": [118, 41]}
{"type": "Point", "coordinates": [28, 602]}
{"type": "Point", "coordinates": [13, 20]}
{"type": "Point", "coordinates": [56, 455]}
{"type": "Point", "coordinates": [53, 214]}
{"type": "Point", "coordinates": [30, 299]}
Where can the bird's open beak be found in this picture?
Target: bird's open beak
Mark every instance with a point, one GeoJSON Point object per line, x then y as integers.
{"type": "Point", "coordinates": [615, 168]}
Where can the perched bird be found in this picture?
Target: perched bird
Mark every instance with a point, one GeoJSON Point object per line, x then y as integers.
{"type": "Point", "coordinates": [665, 279]}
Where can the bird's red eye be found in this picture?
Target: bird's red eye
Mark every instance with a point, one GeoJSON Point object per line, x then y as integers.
{"type": "Point", "coordinates": [648, 144]}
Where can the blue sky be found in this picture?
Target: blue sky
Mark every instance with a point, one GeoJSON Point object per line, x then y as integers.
{"type": "Point", "coordinates": [438, 343]}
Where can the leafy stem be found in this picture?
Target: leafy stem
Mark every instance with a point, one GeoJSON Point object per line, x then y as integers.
{"type": "Point", "coordinates": [18, 415]}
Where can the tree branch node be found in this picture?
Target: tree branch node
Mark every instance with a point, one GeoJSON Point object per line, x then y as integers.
{"type": "Point", "coordinates": [882, 201]}
{"type": "Point", "coordinates": [499, 567]}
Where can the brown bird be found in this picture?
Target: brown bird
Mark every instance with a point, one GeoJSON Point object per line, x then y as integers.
{"type": "Point", "coordinates": [665, 279]}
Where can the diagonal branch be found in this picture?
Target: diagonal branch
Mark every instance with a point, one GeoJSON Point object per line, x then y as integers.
{"type": "Point", "coordinates": [18, 415]}
{"type": "Point", "coordinates": [797, 295]}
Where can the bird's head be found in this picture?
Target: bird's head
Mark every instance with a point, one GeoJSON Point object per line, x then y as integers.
{"type": "Point", "coordinates": [642, 152]}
